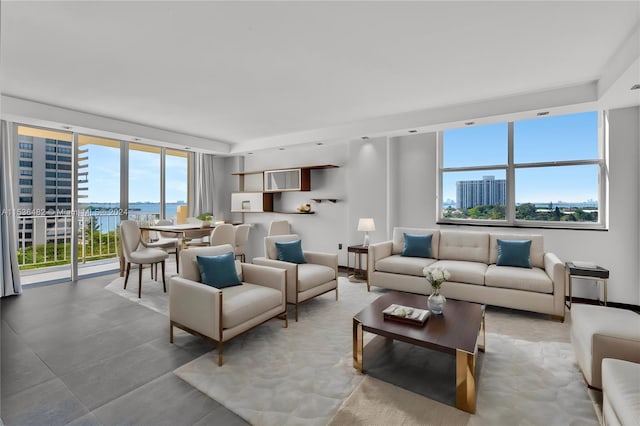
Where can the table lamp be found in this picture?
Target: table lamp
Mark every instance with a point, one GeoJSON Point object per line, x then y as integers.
{"type": "Point", "coordinates": [366, 224]}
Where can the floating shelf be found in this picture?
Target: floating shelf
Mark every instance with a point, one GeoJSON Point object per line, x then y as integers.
{"type": "Point", "coordinates": [319, 200]}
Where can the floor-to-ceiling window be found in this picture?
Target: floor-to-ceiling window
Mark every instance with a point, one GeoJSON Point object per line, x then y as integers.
{"type": "Point", "coordinates": [176, 187]}
{"type": "Point", "coordinates": [144, 183]}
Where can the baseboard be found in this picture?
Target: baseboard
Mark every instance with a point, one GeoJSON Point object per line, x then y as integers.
{"type": "Point", "coordinates": [627, 306]}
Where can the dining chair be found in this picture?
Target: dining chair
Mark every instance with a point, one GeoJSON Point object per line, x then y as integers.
{"type": "Point", "coordinates": [224, 233]}
{"type": "Point", "coordinates": [242, 236]}
{"type": "Point", "coordinates": [279, 227]}
{"type": "Point", "coordinates": [166, 241]}
{"type": "Point", "coordinates": [136, 251]}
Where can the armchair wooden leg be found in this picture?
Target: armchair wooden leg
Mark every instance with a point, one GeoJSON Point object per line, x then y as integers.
{"type": "Point", "coordinates": [164, 284]}
{"type": "Point", "coordinates": [170, 331]}
{"type": "Point", "coordinates": [126, 278]}
{"type": "Point", "coordinates": [297, 311]}
{"type": "Point", "coordinates": [336, 291]}
{"type": "Point", "coordinates": [140, 281]}
{"type": "Point", "coordinates": [220, 354]}
{"type": "Point", "coordinates": [177, 260]}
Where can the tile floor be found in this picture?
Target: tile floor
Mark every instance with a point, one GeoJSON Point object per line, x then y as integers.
{"type": "Point", "coordinates": [78, 354]}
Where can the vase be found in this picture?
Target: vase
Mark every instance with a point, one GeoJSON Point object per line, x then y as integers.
{"type": "Point", "coordinates": [436, 302]}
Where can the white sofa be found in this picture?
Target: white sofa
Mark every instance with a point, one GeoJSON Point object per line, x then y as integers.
{"type": "Point", "coordinates": [599, 332]}
{"type": "Point", "coordinates": [620, 392]}
{"type": "Point", "coordinates": [471, 257]}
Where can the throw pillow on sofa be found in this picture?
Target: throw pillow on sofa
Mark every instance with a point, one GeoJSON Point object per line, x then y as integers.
{"type": "Point", "coordinates": [417, 245]}
{"type": "Point", "coordinates": [514, 253]}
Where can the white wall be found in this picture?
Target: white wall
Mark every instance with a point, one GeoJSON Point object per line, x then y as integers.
{"type": "Point", "coordinates": [394, 181]}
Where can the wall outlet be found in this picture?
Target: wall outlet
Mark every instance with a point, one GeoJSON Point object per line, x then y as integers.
{"type": "Point", "coordinates": [339, 246]}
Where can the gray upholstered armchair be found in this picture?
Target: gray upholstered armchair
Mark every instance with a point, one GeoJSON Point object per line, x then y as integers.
{"type": "Point", "coordinates": [305, 281]}
{"type": "Point", "coordinates": [222, 314]}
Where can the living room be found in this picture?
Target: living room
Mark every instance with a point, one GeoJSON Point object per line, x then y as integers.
{"type": "Point", "coordinates": [317, 85]}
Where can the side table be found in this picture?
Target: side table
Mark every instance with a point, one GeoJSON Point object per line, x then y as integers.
{"type": "Point", "coordinates": [596, 273]}
{"type": "Point", "coordinates": [359, 274]}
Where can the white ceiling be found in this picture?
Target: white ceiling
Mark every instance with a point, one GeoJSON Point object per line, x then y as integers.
{"type": "Point", "coordinates": [262, 73]}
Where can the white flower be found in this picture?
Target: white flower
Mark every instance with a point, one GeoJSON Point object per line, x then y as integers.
{"type": "Point", "coordinates": [436, 275]}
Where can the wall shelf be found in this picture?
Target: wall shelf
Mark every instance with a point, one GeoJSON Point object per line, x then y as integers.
{"type": "Point", "coordinates": [319, 200]}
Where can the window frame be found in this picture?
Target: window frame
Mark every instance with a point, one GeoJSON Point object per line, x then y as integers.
{"type": "Point", "coordinates": [510, 170]}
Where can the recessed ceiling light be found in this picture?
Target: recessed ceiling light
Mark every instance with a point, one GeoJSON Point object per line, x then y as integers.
{"type": "Point", "coordinates": [319, 143]}
{"type": "Point", "coordinates": [281, 149]}
{"type": "Point", "coordinates": [635, 87]}
{"type": "Point", "coordinates": [364, 138]}
{"type": "Point", "coordinates": [136, 139]}
{"type": "Point", "coordinates": [413, 131]}
{"type": "Point", "coordinates": [250, 153]}
{"type": "Point", "coordinates": [469, 123]}
{"type": "Point", "coordinates": [540, 114]}
{"type": "Point", "coordinates": [66, 127]}
{"type": "Point", "coordinates": [187, 147]}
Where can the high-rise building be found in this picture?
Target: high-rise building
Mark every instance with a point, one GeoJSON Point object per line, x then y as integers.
{"type": "Point", "coordinates": [489, 192]}
{"type": "Point", "coordinates": [45, 188]}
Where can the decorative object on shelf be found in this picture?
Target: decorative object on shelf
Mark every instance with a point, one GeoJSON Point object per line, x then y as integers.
{"type": "Point", "coordinates": [246, 205]}
{"type": "Point", "coordinates": [436, 277]}
{"type": "Point", "coordinates": [366, 224]}
{"type": "Point", "coordinates": [304, 208]}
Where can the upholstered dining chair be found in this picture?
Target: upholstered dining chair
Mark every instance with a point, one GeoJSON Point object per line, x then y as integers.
{"type": "Point", "coordinates": [221, 310]}
{"type": "Point", "coordinates": [242, 236]}
{"type": "Point", "coordinates": [136, 251]}
{"type": "Point", "coordinates": [166, 241]}
{"type": "Point", "coordinates": [224, 233]}
{"type": "Point", "coordinates": [312, 273]}
{"type": "Point", "coordinates": [279, 227]}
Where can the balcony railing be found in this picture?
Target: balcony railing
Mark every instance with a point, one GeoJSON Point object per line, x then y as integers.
{"type": "Point", "coordinates": [45, 240]}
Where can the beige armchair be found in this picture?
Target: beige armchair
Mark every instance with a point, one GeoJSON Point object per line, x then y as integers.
{"type": "Point", "coordinates": [222, 314]}
{"type": "Point", "coordinates": [306, 280]}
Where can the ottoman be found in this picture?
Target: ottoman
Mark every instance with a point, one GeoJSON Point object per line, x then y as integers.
{"type": "Point", "coordinates": [621, 392]}
{"type": "Point", "coordinates": [599, 332]}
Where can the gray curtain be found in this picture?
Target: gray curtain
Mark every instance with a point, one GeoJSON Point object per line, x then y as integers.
{"type": "Point", "coordinates": [9, 272]}
{"type": "Point", "coordinates": [203, 185]}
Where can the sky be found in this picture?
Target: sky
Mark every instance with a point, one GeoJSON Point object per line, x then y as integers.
{"type": "Point", "coordinates": [556, 138]}
{"type": "Point", "coordinates": [144, 176]}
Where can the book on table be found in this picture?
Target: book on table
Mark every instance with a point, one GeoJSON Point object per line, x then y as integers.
{"type": "Point", "coordinates": [406, 314]}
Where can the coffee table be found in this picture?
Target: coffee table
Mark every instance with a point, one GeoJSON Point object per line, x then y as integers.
{"type": "Point", "coordinates": [455, 332]}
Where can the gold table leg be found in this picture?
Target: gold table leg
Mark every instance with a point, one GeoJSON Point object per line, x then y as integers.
{"type": "Point", "coordinates": [604, 284]}
{"type": "Point", "coordinates": [357, 345]}
{"type": "Point", "coordinates": [482, 346]}
{"type": "Point", "coordinates": [466, 381]}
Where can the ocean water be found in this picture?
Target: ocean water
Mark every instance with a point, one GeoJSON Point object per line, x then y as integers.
{"type": "Point", "coordinates": [108, 214]}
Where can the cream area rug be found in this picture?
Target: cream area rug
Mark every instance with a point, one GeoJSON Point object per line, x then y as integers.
{"type": "Point", "coordinates": [519, 383]}
{"type": "Point", "coordinates": [298, 375]}
{"type": "Point", "coordinates": [153, 295]}
{"type": "Point", "coordinates": [303, 375]}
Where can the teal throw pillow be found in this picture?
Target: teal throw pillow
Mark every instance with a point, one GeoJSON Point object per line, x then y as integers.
{"type": "Point", "coordinates": [290, 251]}
{"type": "Point", "coordinates": [218, 271]}
{"type": "Point", "coordinates": [514, 253]}
{"type": "Point", "coordinates": [417, 245]}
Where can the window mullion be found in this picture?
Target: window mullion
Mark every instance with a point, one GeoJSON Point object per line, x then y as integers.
{"type": "Point", "coordinates": [510, 208]}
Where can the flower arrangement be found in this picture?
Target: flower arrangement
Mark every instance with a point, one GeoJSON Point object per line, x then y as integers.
{"type": "Point", "coordinates": [436, 276]}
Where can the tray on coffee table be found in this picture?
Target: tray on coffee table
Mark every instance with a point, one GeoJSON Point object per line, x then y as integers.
{"type": "Point", "coordinates": [415, 316]}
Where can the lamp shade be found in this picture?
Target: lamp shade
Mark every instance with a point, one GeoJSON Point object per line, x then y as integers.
{"type": "Point", "coordinates": [366, 224]}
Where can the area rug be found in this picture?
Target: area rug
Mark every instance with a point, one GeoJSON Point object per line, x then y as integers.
{"type": "Point", "coordinates": [519, 383]}
{"type": "Point", "coordinates": [298, 375]}
{"type": "Point", "coordinates": [153, 295]}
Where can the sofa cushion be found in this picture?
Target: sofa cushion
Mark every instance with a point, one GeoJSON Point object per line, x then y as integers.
{"type": "Point", "coordinates": [311, 275]}
{"type": "Point", "coordinates": [534, 279]}
{"type": "Point", "coordinates": [463, 245]}
{"type": "Point", "coordinates": [246, 301]}
{"type": "Point", "coordinates": [416, 245]}
{"type": "Point", "coordinates": [397, 264]}
{"type": "Point", "coordinates": [514, 253]}
{"type": "Point", "coordinates": [536, 254]}
{"type": "Point", "coordinates": [463, 272]}
{"type": "Point", "coordinates": [621, 385]}
{"type": "Point", "coordinates": [398, 239]}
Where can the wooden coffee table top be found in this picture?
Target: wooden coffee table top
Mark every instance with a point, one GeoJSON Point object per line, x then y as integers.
{"type": "Point", "coordinates": [457, 328]}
